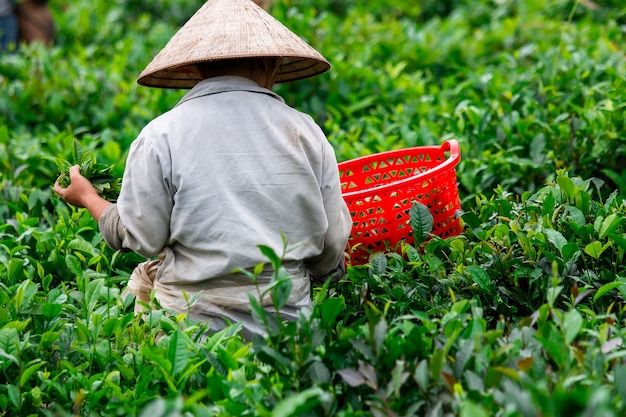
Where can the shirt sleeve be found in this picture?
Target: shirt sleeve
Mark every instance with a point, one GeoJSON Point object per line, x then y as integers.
{"type": "Point", "coordinates": [146, 198]}
{"type": "Point", "coordinates": [339, 221]}
{"type": "Point", "coordinates": [111, 228]}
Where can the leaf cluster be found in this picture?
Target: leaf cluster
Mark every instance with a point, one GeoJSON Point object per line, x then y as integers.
{"type": "Point", "coordinates": [100, 175]}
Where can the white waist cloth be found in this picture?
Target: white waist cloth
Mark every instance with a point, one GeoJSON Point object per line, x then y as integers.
{"type": "Point", "coordinates": [223, 301]}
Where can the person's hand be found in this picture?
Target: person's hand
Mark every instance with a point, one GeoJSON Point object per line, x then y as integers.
{"type": "Point", "coordinates": [80, 190]}
{"type": "Point", "coordinates": [81, 193]}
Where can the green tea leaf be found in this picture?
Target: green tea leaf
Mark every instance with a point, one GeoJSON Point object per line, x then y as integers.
{"type": "Point", "coordinates": [73, 264]}
{"type": "Point", "coordinates": [155, 355]}
{"type": "Point", "coordinates": [421, 375]}
{"type": "Point", "coordinates": [270, 254]}
{"type": "Point", "coordinates": [437, 361]}
{"type": "Point", "coordinates": [93, 292]}
{"type": "Point", "coordinates": [51, 311]}
{"type": "Point", "coordinates": [619, 239]}
{"type": "Point", "coordinates": [215, 363]}
{"type": "Point", "coordinates": [281, 291]}
{"type": "Point", "coordinates": [81, 245]}
{"type": "Point", "coordinates": [572, 323]}
{"type": "Point", "coordinates": [28, 372]}
{"type": "Point", "coordinates": [20, 298]}
{"type": "Point", "coordinates": [298, 404]}
{"type": "Point", "coordinates": [556, 238]}
{"type": "Point", "coordinates": [15, 265]}
{"type": "Point", "coordinates": [99, 174]}
{"type": "Point", "coordinates": [620, 380]}
{"type": "Point", "coordinates": [226, 358]}
{"type": "Point", "coordinates": [46, 281]}
{"type": "Point", "coordinates": [380, 333]}
{"type": "Point", "coordinates": [596, 249]}
{"type": "Point", "coordinates": [48, 339]}
{"type": "Point", "coordinates": [178, 354]}
{"type": "Point", "coordinates": [398, 378]}
{"type": "Point", "coordinates": [110, 325]}
{"type": "Point", "coordinates": [14, 395]}
{"type": "Point", "coordinates": [9, 341]}
{"type": "Point", "coordinates": [567, 186]}
{"type": "Point", "coordinates": [610, 223]}
{"type": "Point", "coordinates": [548, 204]}
{"type": "Point", "coordinates": [77, 152]}
{"type": "Point", "coordinates": [163, 408]}
{"type": "Point", "coordinates": [537, 148]}
{"type": "Point", "coordinates": [319, 373]}
{"type": "Point", "coordinates": [378, 264]}
{"type": "Point", "coordinates": [259, 315]}
{"type": "Point", "coordinates": [330, 310]}
{"type": "Point", "coordinates": [480, 277]}
{"type": "Point", "coordinates": [552, 293]}
{"type": "Point", "coordinates": [577, 215]}
{"type": "Point", "coordinates": [569, 251]}
{"type": "Point", "coordinates": [606, 288]}
{"type": "Point", "coordinates": [272, 357]}
{"type": "Point", "coordinates": [471, 409]}
{"type": "Point", "coordinates": [421, 221]}
{"type": "Point", "coordinates": [554, 345]}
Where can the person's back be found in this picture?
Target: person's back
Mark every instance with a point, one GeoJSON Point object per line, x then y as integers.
{"type": "Point", "coordinates": [243, 168]}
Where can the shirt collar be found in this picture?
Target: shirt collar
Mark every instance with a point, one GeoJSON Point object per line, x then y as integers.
{"type": "Point", "coordinates": [222, 84]}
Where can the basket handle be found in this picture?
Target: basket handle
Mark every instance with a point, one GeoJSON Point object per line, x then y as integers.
{"type": "Point", "coordinates": [452, 146]}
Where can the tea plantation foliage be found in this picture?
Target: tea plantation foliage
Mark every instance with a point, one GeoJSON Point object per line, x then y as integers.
{"type": "Point", "coordinates": [520, 315]}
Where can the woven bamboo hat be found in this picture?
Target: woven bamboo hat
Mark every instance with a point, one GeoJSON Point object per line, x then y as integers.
{"type": "Point", "coordinates": [231, 29]}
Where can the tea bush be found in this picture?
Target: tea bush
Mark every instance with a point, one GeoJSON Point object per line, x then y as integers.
{"type": "Point", "coordinates": [522, 314]}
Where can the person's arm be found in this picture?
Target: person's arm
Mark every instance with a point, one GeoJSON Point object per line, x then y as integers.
{"type": "Point", "coordinates": [331, 261]}
{"type": "Point", "coordinates": [146, 199]}
{"type": "Point", "coordinates": [81, 193]}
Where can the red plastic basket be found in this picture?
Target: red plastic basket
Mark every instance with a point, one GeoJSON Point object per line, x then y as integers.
{"type": "Point", "coordinates": [380, 190]}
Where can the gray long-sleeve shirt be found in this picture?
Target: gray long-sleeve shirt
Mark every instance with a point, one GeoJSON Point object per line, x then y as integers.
{"type": "Point", "coordinates": [229, 168]}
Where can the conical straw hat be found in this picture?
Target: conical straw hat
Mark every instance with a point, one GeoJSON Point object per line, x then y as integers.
{"type": "Point", "coordinates": [230, 29]}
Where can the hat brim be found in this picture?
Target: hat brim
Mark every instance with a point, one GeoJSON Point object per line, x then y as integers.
{"type": "Point", "coordinates": [226, 30]}
{"type": "Point", "coordinates": [185, 77]}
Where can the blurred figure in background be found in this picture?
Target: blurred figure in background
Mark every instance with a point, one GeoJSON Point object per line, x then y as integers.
{"type": "Point", "coordinates": [264, 3]}
{"type": "Point", "coordinates": [8, 26]}
{"type": "Point", "coordinates": [25, 21]}
{"type": "Point", "coordinates": [35, 22]}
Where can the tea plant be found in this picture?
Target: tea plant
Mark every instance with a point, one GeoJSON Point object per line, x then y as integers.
{"type": "Point", "coordinates": [520, 315]}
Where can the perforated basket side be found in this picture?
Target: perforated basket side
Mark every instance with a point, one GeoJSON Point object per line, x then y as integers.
{"type": "Point", "coordinates": [388, 168]}
{"type": "Point", "coordinates": [386, 186]}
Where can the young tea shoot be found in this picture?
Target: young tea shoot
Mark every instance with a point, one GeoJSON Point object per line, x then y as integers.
{"type": "Point", "coordinates": [107, 185]}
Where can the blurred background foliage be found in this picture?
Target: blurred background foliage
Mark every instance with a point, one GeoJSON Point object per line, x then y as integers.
{"type": "Point", "coordinates": [526, 86]}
